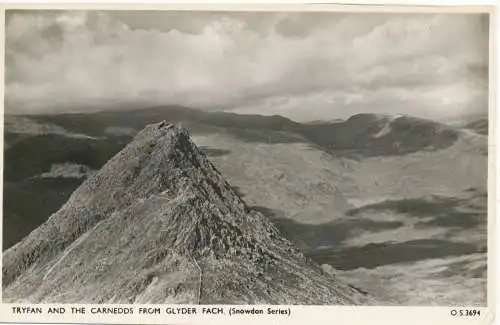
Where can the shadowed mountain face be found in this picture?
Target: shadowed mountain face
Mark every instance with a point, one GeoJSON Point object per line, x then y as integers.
{"type": "Point", "coordinates": [47, 150]}
{"type": "Point", "coordinates": [367, 135]}
{"type": "Point", "coordinates": [46, 194]}
{"type": "Point", "coordinates": [157, 224]}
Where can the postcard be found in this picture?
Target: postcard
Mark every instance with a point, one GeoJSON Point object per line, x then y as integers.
{"type": "Point", "coordinates": [210, 163]}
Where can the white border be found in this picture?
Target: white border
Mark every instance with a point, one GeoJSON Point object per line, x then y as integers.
{"type": "Point", "coordinates": [300, 314]}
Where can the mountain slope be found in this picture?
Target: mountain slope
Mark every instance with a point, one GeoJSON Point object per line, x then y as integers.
{"type": "Point", "coordinates": [159, 224]}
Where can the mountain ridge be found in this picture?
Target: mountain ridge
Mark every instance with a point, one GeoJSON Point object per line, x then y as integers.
{"type": "Point", "coordinates": [413, 133]}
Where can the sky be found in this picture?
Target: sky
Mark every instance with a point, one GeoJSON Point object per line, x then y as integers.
{"type": "Point", "coordinates": [305, 66]}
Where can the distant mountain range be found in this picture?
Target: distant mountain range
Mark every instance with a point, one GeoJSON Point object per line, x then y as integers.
{"type": "Point", "coordinates": [360, 134]}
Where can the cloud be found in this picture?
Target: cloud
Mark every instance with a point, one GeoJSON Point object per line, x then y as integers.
{"type": "Point", "coordinates": [304, 66]}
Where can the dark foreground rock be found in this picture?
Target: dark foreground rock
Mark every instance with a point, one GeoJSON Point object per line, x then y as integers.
{"type": "Point", "coordinates": [159, 224]}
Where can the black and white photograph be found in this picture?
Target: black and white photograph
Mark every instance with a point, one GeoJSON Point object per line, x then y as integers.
{"type": "Point", "coordinates": [245, 157]}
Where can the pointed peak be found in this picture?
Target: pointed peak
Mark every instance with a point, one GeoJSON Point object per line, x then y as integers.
{"type": "Point", "coordinates": [161, 210]}
{"type": "Point", "coordinates": [161, 129]}
{"type": "Point", "coordinates": [166, 141]}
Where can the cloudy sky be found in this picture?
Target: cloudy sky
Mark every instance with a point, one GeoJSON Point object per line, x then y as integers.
{"type": "Point", "coordinates": [306, 66]}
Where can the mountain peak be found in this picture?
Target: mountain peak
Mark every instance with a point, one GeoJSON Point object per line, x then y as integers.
{"type": "Point", "coordinates": [157, 224]}
{"type": "Point", "coordinates": [173, 133]}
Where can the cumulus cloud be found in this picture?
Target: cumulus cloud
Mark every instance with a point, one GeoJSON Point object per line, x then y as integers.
{"type": "Point", "coordinates": [305, 66]}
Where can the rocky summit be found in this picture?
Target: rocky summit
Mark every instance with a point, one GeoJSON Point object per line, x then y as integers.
{"type": "Point", "coordinates": [159, 224]}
